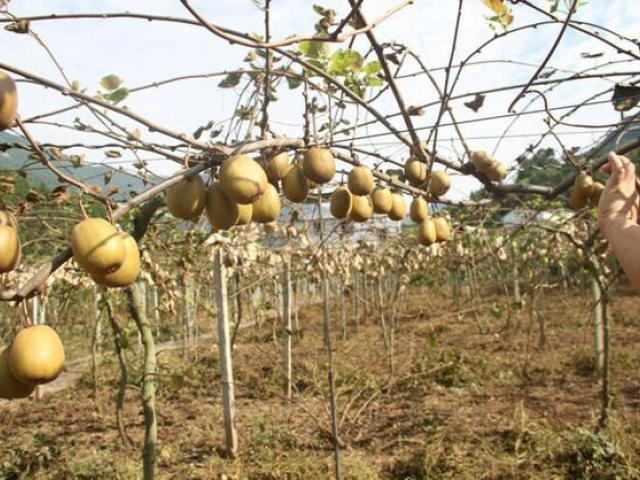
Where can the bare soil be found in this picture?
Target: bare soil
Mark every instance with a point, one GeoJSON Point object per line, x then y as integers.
{"type": "Point", "coordinates": [460, 403]}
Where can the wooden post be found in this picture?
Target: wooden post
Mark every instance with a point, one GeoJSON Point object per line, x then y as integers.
{"type": "Point", "coordinates": [286, 326]}
{"type": "Point", "coordinates": [598, 322]}
{"type": "Point", "coordinates": [224, 352]}
{"type": "Point", "coordinates": [342, 310]}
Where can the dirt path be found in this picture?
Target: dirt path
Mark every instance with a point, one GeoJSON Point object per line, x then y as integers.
{"type": "Point", "coordinates": [74, 369]}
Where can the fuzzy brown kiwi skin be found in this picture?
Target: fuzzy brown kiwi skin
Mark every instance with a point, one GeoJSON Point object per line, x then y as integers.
{"type": "Point", "coordinates": [341, 203]}
{"type": "Point", "coordinates": [382, 200]}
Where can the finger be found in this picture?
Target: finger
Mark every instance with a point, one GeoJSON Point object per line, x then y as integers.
{"type": "Point", "coordinates": [615, 163]}
{"type": "Point", "coordinates": [606, 168]}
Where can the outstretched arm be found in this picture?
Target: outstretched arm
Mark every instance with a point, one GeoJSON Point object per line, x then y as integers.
{"type": "Point", "coordinates": [618, 217]}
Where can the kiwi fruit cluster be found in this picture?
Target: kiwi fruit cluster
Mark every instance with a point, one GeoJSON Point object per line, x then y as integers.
{"type": "Point", "coordinates": [35, 357]}
{"type": "Point", "coordinates": [8, 101]}
{"type": "Point", "coordinates": [585, 191]}
{"type": "Point", "coordinates": [9, 242]}
{"type": "Point", "coordinates": [433, 230]}
{"type": "Point", "coordinates": [417, 174]}
{"type": "Point", "coordinates": [360, 199]}
{"type": "Point", "coordinates": [110, 257]}
{"type": "Point", "coordinates": [485, 163]}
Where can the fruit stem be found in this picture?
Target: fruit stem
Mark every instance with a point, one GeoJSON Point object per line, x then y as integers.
{"type": "Point", "coordinates": [82, 209]}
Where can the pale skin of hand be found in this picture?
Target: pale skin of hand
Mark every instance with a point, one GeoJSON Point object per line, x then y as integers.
{"type": "Point", "coordinates": [618, 215]}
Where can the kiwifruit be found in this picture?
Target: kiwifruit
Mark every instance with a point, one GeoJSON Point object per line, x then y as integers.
{"type": "Point", "coordinates": [577, 199]}
{"type": "Point", "coordinates": [361, 208]}
{"type": "Point", "coordinates": [443, 232]}
{"type": "Point", "coordinates": [381, 198]}
{"type": "Point", "coordinates": [418, 210]}
{"type": "Point", "coordinates": [8, 101]}
{"type": "Point", "coordinates": [295, 185]}
{"type": "Point", "coordinates": [36, 355]}
{"type": "Point", "coordinates": [318, 165]}
{"type": "Point", "coordinates": [222, 212]}
{"type": "Point", "coordinates": [185, 199]}
{"type": "Point", "coordinates": [7, 218]}
{"type": "Point", "coordinates": [341, 202]}
{"type": "Point", "coordinates": [10, 386]}
{"type": "Point", "coordinates": [267, 208]}
{"type": "Point", "coordinates": [398, 207]}
{"type": "Point", "coordinates": [128, 271]}
{"type": "Point", "coordinates": [440, 183]}
{"type": "Point", "coordinates": [596, 192]}
{"type": "Point", "coordinates": [415, 171]}
{"type": "Point", "coordinates": [496, 172]}
{"type": "Point", "coordinates": [276, 166]}
{"type": "Point", "coordinates": [427, 234]}
{"type": "Point", "coordinates": [360, 180]}
{"type": "Point", "coordinates": [481, 160]}
{"type": "Point", "coordinates": [97, 246]}
{"type": "Point", "coordinates": [9, 248]}
{"type": "Point", "coordinates": [583, 184]}
{"type": "Point", "coordinates": [245, 213]}
{"type": "Point", "coordinates": [242, 179]}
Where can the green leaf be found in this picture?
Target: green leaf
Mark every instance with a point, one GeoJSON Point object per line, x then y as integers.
{"type": "Point", "coordinates": [344, 61]}
{"type": "Point", "coordinates": [373, 81]}
{"type": "Point", "coordinates": [372, 67]}
{"type": "Point", "coordinates": [110, 82]}
{"type": "Point", "coordinates": [117, 95]}
{"type": "Point", "coordinates": [314, 49]}
{"type": "Point", "coordinates": [293, 82]}
{"type": "Point", "coordinates": [231, 80]}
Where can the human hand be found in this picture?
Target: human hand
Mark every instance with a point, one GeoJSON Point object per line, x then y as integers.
{"type": "Point", "coordinates": [619, 200]}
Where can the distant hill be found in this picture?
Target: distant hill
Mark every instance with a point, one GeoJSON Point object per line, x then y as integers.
{"type": "Point", "coordinates": [16, 160]}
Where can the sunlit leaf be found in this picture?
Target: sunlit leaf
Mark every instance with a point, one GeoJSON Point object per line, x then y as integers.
{"type": "Point", "coordinates": [110, 82]}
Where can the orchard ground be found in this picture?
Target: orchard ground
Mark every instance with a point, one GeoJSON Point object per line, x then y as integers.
{"type": "Point", "coordinates": [461, 404]}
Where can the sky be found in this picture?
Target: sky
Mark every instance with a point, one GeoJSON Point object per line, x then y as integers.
{"type": "Point", "coordinates": [142, 52]}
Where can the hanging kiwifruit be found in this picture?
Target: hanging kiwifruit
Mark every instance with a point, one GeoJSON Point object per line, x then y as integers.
{"type": "Point", "coordinates": [381, 198]}
{"type": "Point", "coordinates": [222, 212]}
{"type": "Point", "coordinates": [427, 234]}
{"type": "Point", "coordinates": [185, 199]}
{"type": "Point", "coordinates": [496, 172]}
{"type": "Point", "coordinates": [295, 185]}
{"type": "Point", "coordinates": [242, 179]}
{"type": "Point", "coordinates": [36, 355]}
{"type": "Point", "coordinates": [418, 210]}
{"type": "Point", "coordinates": [97, 246]}
{"type": "Point", "coordinates": [361, 208]}
{"type": "Point", "coordinates": [10, 386]}
{"type": "Point", "coordinates": [9, 248]}
{"type": "Point", "coordinates": [318, 165]}
{"type": "Point", "coordinates": [360, 180]}
{"type": "Point", "coordinates": [128, 271]}
{"type": "Point", "coordinates": [8, 101]}
{"type": "Point", "coordinates": [583, 184]}
{"type": "Point", "coordinates": [340, 203]}
{"type": "Point", "coordinates": [276, 166]}
{"type": "Point", "coordinates": [443, 232]}
{"type": "Point", "coordinates": [415, 172]}
{"type": "Point", "coordinates": [398, 207]}
{"type": "Point", "coordinates": [8, 219]}
{"type": "Point", "coordinates": [245, 213]}
{"type": "Point", "coordinates": [440, 183]}
{"type": "Point", "coordinates": [481, 160]}
{"type": "Point", "coordinates": [267, 208]}
{"type": "Point", "coordinates": [577, 199]}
